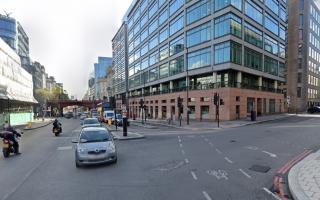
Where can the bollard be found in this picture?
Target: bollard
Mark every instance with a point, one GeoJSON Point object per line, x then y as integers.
{"type": "Point", "coordinates": [125, 125]}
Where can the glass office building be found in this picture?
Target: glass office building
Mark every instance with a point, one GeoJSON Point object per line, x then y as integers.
{"type": "Point", "coordinates": [101, 71]}
{"type": "Point", "coordinates": [194, 49]}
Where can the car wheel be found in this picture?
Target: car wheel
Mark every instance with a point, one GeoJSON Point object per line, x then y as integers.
{"type": "Point", "coordinates": [77, 164]}
{"type": "Point", "coordinates": [115, 161]}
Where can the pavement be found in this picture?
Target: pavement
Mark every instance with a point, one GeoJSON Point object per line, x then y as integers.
{"type": "Point", "coordinates": [209, 125]}
{"type": "Point", "coordinates": [223, 164]}
{"type": "Point", "coordinates": [36, 124]}
{"type": "Point", "coordinates": [304, 178]}
{"type": "Point", "coordinates": [118, 133]}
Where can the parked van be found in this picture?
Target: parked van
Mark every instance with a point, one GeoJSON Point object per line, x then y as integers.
{"type": "Point", "coordinates": [109, 114]}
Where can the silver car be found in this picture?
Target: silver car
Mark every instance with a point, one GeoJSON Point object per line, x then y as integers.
{"type": "Point", "coordinates": [91, 122]}
{"type": "Point", "coordinates": [95, 146]}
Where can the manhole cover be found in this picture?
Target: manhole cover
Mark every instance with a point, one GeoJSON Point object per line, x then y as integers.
{"type": "Point", "coordinates": [260, 168]}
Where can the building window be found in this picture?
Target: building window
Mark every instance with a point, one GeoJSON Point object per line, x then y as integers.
{"type": "Point", "coordinates": [282, 69]}
{"type": "Point", "coordinates": [227, 24]}
{"type": "Point", "coordinates": [220, 4]}
{"type": "Point", "coordinates": [177, 45]}
{"type": "Point", "coordinates": [164, 52]}
{"type": "Point", "coordinates": [198, 11]}
{"type": "Point", "coordinates": [299, 78]}
{"type": "Point", "coordinates": [163, 35]}
{"type": "Point", "coordinates": [271, 24]}
{"type": "Point", "coordinates": [164, 70]}
{"type": "Point", "coordinates": [227, 52]}
{"type": "Point", "coordinates": [270, 66]}
{"type": "Point", "coordinates": [201, 58]}
{"type": "Point", "coordinates": [283, 14]}
{"type": "Point", "coordinates": [144, 50]}
{"type": "Point", "coordinates": [153, 59]}
{"type": "Point", "coordinates": [163, 16]}
{"type": "Point", "coordinates": [144, 5]}
{"type": "Point", "coordinates": [144, 63]}
{"type": "Point", "coordinates": [144, 20]}
{"type": "Point", "coordinates": [177, 65]}
{"type": "Point", "coordinates": [301, 20]}
{"type": "Point", "coordinates": [252, 35]}
{"type": "Point", "coordinates": [144, 34]}
{"type": "Point", "coordinates": [273, 6]}
{"type": "Point", "coordinates": [205, 113]}
{"type": "Point", "coordinates": [301, 5]}
{"type": "Point", "coordinates": [272, 106]}
{"type": "Point", "coordinates": [282, 51]}
{"type": "Point", "coordinates": [271, 45]}
{"type": "Point", "coordinates": [175, 5]}
{"type": "Point", "coordinates": [253, 11]}
{"type": "Point", "coordinates": [282, 33]}
{"type": "Point", "coordinates": [153, 74]}
{"type": "Point", "coordinates": [176, 24]}
{"type": "Point", "coordinates": [252, 59]}
{"type": "Point", "coordinates": [192, 112]}
{"type": "Point", "coordinates": [161, 2]}
{"type": "Point", "coordinates": [153, 26]}
{"type": "Point", "coordinates": [153, 9]}
{"type": "Point", "coordinates": [199, 35]}
{"type": "Point", "coordinates": [153, 42]}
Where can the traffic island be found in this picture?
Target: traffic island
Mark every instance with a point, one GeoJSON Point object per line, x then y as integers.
{"type": "Point", "coordinates": [130, 136]}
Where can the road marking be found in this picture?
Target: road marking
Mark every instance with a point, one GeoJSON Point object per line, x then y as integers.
{"type": "Point", "coordinates": [194, 176]}
{"type": "Point", "coordinates": [270, 154]}
{"type": "Point", "coordinates": [206, 195]}
{"type": "Point", "coordinates": [179, 141]}
{"type": "Point", "coordinates": [64, 148]}
{"type": "Point", "coordinates": [272, 194]}
{"type": "Point", "coordinates": [254, 148]}
{"type": "Point", "coordinates": [218, 151]}
{"type": "Point", "coordinates": [244, 173]}
{"type": "Point", "coordinates": [183, 152]}
{"type": "Point", "coordinates": [180, 145]}
{"type": "Point", "coordinates": [186, 160]}
{"type": "Point", "coordinates": [205, 139]}
{"type": "Point", "coordinates": [228, 160]}
{"type": "Point", "coordinates": [219, 174]}
{"type": "Point", "coordinates": [210, 143]}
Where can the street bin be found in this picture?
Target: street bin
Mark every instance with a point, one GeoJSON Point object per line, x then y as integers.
{"type": "Point", "coordinates": [253, 116]}
{"type": "Point", "coordinates": [109, 122]}
{"type": "Point", "coordinates": [29, 125]}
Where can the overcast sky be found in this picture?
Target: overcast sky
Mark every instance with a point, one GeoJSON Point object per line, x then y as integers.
{"type": "Point", "coordinates": [67, 36]}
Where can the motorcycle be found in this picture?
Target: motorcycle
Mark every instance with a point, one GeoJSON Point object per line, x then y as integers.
{"type": "Point", "coordinates": [57, 130]}
{"type": "Point", "coordinates": [7, 144]}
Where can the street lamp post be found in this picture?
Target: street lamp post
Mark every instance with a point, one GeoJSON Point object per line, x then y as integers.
{"type": "Point", "coordinates": [187, 84]}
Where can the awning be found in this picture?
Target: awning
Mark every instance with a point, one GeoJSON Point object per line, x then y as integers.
{"type": "Point", "coordinates": [3, 96]}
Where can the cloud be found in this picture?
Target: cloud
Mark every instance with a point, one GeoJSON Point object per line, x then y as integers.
{"type": "Point", "coordinates": [67, 36]}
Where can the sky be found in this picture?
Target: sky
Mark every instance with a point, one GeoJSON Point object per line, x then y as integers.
{"type": "Point", "coordinates": [67, 36]}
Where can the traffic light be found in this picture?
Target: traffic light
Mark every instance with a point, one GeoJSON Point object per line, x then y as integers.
{"type": "Point", "coordinates": [141, 103]}
{"type": "Point", "coordinates": [215, 98]}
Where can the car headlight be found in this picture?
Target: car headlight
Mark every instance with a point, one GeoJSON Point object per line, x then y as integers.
{"type": "Point", "coordinates": [112, 148]}
{"type": "Point", "coordinates": [82, 150]}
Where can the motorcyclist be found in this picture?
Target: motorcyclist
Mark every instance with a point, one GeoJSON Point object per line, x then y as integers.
{"type": "Point", "coordinates": [13, 136]}
{"type": "Point", "coordinates": [57, 124]}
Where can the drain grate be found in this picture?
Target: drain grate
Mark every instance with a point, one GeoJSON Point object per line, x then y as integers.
{"type": "Point", "coordinates": [260, 168]}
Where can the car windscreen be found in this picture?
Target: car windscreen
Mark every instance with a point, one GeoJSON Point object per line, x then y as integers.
{"type": "Point", "coordinates": [95, 136]}
{"type": "Point", "coordinates": [91, 121]}
{"type": "Point", "coordinates": [109, 114]}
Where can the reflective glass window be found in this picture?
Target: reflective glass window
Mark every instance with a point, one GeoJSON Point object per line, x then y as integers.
{"type": "Point", "coordinates": [153, 58]}
{"type": "Point", "coordinates": [144, 49]}
{"type": "Point", "coordinates": [164, 70]}
{"type": "Point", "coordinates": [154, 74]}
{"type": "Point", "coordinates": [282, 51]}
{"type": "Point", "coordinates": [270, 65]}
{"type": "Point", "coordinates": [282, 32]}
{"type": "Point", "coordinates": [252, 59]}
{"type": "Point", "coordinates": [253, 11]}
{"type": "Point", "coordinates": [144, 34]}
{"type": "Point", "coordinates": [175, 5]}
{"type": "Point", "coordinates": [177, 45]}
{"type": "Point", "coordinates": [271, 45]}
{"type": "Point", "coordinates": [163, 16]}
{"type": "Point", "coordinates": [144, 5]}
{"type": "Point", "coordinates": [153, 9]}
{"type": "Point", "coordinates": [283, 14]}
{"type": "Point", "coordinates": [176, 66]}
{"type": "Point", "coordinates": [252, 35]}
{"type": "Point", "coordinates": [227, 52]}
{"type": "Point", "coordinates": [161, 2]}
{"type": "Point", "coordinates": [273, 5]}
{"type": "Point", "coordinates": [198, 11]}
{"type": "Point", "coordinates": [144, 63]}
{"type": "Point", "coordinates": [271, 24]}
{"type": "Point", "coordinates": [220, 4]}
{"type": "Point", "coordinates": [227, 24]}
{"type": "Point", "coordinates": [153, 42]}
{"type": "Point", "coordinates": [164, 34]}
{"type": "Point", "coordinates": [153, 26]}
{"type": "Point", "coordinates": [163, 52]}
{"type": "Point", "coordinates": [199, 34]}
{"type": "Point", "coordinates": [144, 20]}
{"type": "Point", "coordinates": [200, 58]}
{"type": "Point", "coordinates": [176, 24]}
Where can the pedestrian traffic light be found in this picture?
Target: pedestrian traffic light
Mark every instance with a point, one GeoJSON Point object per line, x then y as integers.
{"type": "Point", "coordinates": [215, 98]}
{"type": "Point", "coordinates": [221, 102]}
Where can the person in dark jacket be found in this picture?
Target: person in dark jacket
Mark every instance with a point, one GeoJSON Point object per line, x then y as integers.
{"type": "Point", "coordinates": [13, 136]}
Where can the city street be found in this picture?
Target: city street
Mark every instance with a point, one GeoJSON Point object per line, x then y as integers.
{"type": "Point", "coordinates": [177, 165]}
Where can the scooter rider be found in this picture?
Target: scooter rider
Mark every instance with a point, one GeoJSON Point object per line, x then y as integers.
{"type": "Point", "coordinates": [12, 137]}
{"type": "Point", "coordinates": [57, 124]}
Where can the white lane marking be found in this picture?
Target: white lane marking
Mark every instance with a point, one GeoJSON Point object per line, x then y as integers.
{"type": "Point", "coordinates": [64, 148]}
{"type": "Point", "coordinates": [205, 139]}
{"type": "Point", "coordinates": [228, 160]}
{"type": "Point", "coordinates": [194, 176]}
{"type": "Point", "coordinates": [270, 154]}
{"type": "Point", "coordinates": [244, 173]}
{"type": "Point", "coordinates": [206, 195]}
{"type": "Point", "coordinates": [219, 174]}
{"type": "Point", "coordinates": [186, 160]}
{"type": "Point", "coordinates": [210, 143]}
{"type": "Point", "coordinates": [269, 192]}
{"type": "Point", "coordinates": [218, 151]}
{"type": "Point", "coordinates": [254, 148]}
{"type": "Point", "coordinates": [183, 152]}
{"type": "Point", "coordinates": [180, 145]}
{"type": "Point", "coordinates": [179, 141]}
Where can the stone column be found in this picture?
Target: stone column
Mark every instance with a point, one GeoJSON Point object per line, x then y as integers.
{"type": "Point", "coordinates": [171, 85]}
{"type": "Point", "coordinates": [260, 82]}
{"type": "Point", "coordinates": [239, 79]}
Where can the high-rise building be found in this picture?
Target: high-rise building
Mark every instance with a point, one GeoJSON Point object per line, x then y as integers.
{"type": "Point", "coordinates": [14, 35]}
{"type": "Point", "coordinates": [120, 65]}
{"type": "Point", "coordinates": [303, 74]}
{"type": "Point", "coordinates": [101, 71]}
{"type": "Point", "coordinates": [194, 49]}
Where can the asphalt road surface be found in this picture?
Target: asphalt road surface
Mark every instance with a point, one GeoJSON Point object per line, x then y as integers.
{"type": "Point", "coordinates": [213, 165]}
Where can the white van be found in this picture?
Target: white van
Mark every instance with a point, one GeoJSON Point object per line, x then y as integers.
{"type": "Point", "coordinates": [109, 114]}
